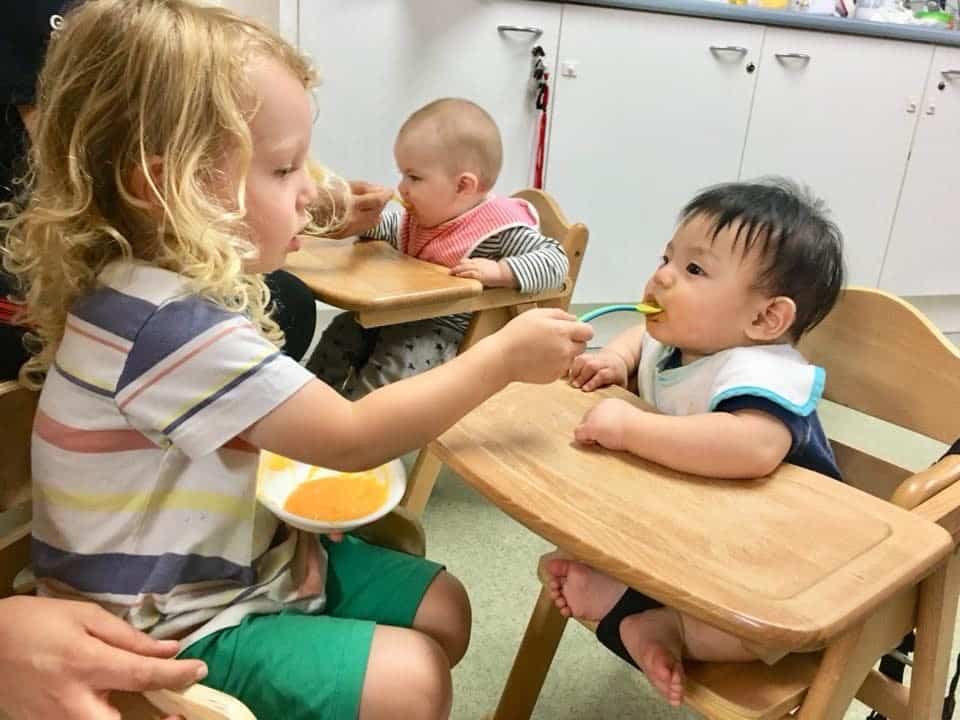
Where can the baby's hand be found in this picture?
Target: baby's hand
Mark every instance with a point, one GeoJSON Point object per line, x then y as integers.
{"type": "Point", "coordinates": [603, 424]}
{"type": "Point", "coordinates": [491, 273]}
{"type": "Point", "coordinates": [539, 345]}
{"type": "Point", "coordinates": [597, 370]}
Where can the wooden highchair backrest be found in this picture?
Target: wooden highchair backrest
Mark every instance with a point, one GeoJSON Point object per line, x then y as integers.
{"type": "Point", "coordinates": [572, 237]}
{"type": "Point", "coordinates": [885, 359]}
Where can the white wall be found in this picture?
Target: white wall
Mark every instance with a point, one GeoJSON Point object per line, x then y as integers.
{"type": "Point", "coordinates": [943, 311]}
{"type": "Point", "coordinates": [282, 15]}
{"type": "Point", "coordinates": [266, 11]}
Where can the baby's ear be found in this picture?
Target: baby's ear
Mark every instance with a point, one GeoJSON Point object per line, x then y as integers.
{"type": "Point", "coordinates": [468, 183]}
{"type": "Point", "coordinates": [773, 320]}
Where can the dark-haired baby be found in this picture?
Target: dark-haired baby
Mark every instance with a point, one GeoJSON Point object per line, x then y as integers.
{"type": "Point", "coordinates": [751, 267]}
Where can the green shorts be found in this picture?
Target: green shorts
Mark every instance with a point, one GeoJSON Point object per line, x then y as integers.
{"type": "Point", "coordinates": [296, 666]}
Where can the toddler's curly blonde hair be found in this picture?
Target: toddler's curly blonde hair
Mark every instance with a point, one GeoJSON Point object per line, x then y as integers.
{"type": "Point", "coordinates": [126, 82]}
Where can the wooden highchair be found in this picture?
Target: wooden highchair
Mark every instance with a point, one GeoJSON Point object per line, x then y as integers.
{"type": "Point", "coordinates": [506, 304]}
{"type": "Point", "coordinates": [886, 360]}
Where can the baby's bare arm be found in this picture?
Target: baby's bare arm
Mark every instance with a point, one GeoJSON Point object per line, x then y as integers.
{"type": "Point", "coordinates": [627, 346]}
{"type": "Point", "coordinates": [744, 444]}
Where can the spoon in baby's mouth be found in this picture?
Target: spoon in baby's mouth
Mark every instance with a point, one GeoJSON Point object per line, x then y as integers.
{"type": "Point", "coordinates": [399, 198]}
{"type": "Point", "coordinates": [646, 308]}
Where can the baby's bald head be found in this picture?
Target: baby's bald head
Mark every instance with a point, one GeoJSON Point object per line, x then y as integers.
{"type": "Point", "coordinates": [463, 134]}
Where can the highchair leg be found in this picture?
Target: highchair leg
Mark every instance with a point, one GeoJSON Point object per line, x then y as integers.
{"type": "Point", "coordinates": [421, 481]}
{"type": "Point", "coordinates": [483, 323]}
{"type": "Point", "coordinates": [849, 657]}
{"type": "Point", "coordinates": [427, 467]}
{"type": "Point", "coordinates": [533, 660]}
{"type": "Point", "coordinates": [838, 678]}
{"type": "Point", "coordinates": [936, 612]}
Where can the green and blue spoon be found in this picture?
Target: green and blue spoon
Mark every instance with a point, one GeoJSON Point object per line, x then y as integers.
{"type": "Point", "coordinates": [643, 308]}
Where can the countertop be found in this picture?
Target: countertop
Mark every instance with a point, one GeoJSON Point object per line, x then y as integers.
{"type": "Point", "coordinates": [785, 18]}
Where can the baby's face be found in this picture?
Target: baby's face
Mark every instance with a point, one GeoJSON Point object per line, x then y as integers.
{"type": "Point", "coordinates": [428, 188]}
{"type": "Point", "coordinates": [705, 289]}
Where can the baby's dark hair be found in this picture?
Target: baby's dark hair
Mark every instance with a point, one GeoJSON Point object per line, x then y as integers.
{"type": "Point", "coordinates": [801, 247]}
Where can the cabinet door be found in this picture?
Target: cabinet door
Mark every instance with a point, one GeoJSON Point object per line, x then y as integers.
{"type": "Point", "coordinates": [652, 116]}
{"type": "Point", "coordinates": [924, 253]}
{"type": "Point", "coordinates": [837, 112]}
{"type": "Point", "coordinates": [380, 60]}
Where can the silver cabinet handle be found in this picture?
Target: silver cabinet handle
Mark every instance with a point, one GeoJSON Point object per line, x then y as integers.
{"type": "Point", "coordinates": [950, 74]}
{"type": "Point", "coordinates": [535, 31]}
{"type": "Point", "coordinates": [729, 48]}
{"type": "Point", "coordinates": [792, 56]}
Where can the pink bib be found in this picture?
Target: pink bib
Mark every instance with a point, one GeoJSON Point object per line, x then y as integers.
{"type": "Point", "coordinates": [454, 240]}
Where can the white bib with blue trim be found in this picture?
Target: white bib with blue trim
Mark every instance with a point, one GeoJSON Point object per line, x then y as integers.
{"type": "Point", "coordinates": [778, 373]}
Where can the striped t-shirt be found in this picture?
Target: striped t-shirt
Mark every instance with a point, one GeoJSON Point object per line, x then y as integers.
{"type": "Point", "coordinates": [537, 261]}
{"type": "Point", "coordinates": [144, 497]}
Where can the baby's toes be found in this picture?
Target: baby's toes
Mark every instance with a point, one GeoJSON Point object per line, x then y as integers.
{"type": "Point", "coordinates": [675, 697]}
{"type": "Point", "coordinates": [557, 567]}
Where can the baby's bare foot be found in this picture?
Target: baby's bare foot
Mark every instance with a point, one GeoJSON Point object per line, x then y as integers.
{"type": "Point", "coordinates": [580, 591]}
{"type": "Point", "coordinates": [664, 670]}
{"type": "Point", "coordinates": [655, 641]}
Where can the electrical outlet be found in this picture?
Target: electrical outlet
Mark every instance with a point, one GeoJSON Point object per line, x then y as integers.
{"type": "Point", "coordinates": [568, 68]}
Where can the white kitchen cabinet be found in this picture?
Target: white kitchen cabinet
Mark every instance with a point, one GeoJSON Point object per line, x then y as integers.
{"type": "Point", "coordinates": [657, 109]}
{"type": "Point", "coordinates": [644, 113]}
{"type": "Point", "coordinates": [381, 59]}
{"type": "Point", "coordinates": [837, 112]}
{"type": "Point", "coordinates": [924, 253]}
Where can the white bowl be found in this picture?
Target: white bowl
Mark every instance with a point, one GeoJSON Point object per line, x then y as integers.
{"type": "Point", "coordinates": [275, 486]}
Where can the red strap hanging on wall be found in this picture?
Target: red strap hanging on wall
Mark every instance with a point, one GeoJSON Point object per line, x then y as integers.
{"type": "Point", "coordinates": [540, 76]}
{"type": "Point", "coordinates": [543, 99]}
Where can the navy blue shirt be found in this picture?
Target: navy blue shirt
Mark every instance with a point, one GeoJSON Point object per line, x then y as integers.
{"type": "Point", "coordinates": [809, 448]}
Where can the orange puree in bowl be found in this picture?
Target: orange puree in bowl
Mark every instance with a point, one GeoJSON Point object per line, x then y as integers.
{"type": "Point", "coordinates": [336, 498]}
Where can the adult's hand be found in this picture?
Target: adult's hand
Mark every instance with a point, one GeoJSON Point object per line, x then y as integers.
{"type": "Point", "coordinates": [60, 659]}
{"type": "Point", "coordinates": [366, 206]}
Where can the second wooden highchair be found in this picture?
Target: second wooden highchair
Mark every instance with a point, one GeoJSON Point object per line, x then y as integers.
{"type": "Point", "coordinates": [885, 360]}
{"type": "Point", "coordinates": [573, 238]}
